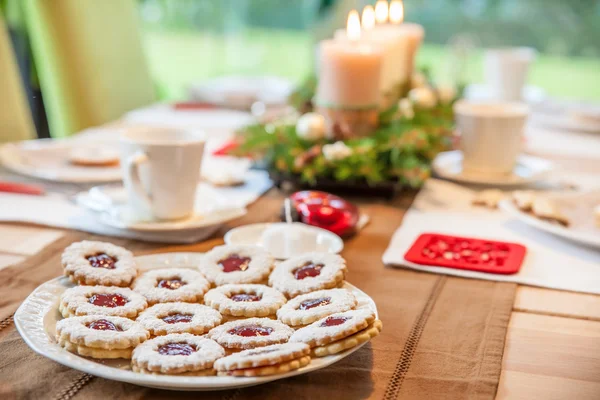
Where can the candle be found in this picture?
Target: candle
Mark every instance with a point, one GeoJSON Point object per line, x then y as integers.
{"type": "Point", "coordinates": [349, 70]}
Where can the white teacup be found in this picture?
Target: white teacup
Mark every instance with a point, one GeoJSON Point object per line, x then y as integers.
{"type": "Point", "coordinates": [491, 135]}
{"type": "Point", "coordinates": [506, 71]}
{"type": "Point", "coordinates": [161, 169]}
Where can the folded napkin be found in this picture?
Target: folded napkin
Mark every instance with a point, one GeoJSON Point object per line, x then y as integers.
{"type": "Point", "coordinates": [59, 210]}
{"type": "Point", "coordinates": [443, 207]}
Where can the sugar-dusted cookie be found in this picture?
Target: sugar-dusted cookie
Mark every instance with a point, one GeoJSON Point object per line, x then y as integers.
{"type": "Point", "coordinates": [100, 336]}
{"type": "Point", "coordinates": [98, 263]}
{"type": "Point", "coordinates": [167, 318]}
{"type": "Point", "coordinates": [307, 273]}
{"type": "Point", "coordinates": [101, 300]}
{"type": "Point", "coordinates": [169, 285]}
{"type": "Point", "coordinates": [245, 300]}
{"type": "Point", "coordinates": [250, 333]}
{"type": "Point", "coordinates": [334, 327]}
{"type": "Point", "coordinates": [524, 199]}
{"type": "Point", "coordinates": [177, 354]}
{"type": "Point", "coordinates": [350, 341]}
{"type": "Point", "coordinates": [545, 209]}
{"type": "Point", "coordinates": [94, 156]}
{"type": "Point", "coordinates": [268, 360]}
{"type": "Point", "coordinates": [307, 308]}
{"type": "Point", "coordinates": [236, 264]}
{"type": "Point", "coordinates": [488, 198]}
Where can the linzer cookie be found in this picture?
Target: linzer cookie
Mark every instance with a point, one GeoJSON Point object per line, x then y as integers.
{"type": "Point", "coordinates": [268, 360]}
{"type": "Point", "coordinates": [236, 264]}
{"type": "Point", "coordinates": [307, 308]}
{"type": "Point", "coordinates": [172, 285]}
{"type": "Point", "coordinates": [100, 336]}
{"type": "Point", "coordinates": [101, 300]}
{"type": "Point", "coordinates": [338, 332]}
{"type": "Point", "coordinates": [307, 273]}
{"type": "Point", "coordinates": [250, 333]}
{"type": "Point", "coordinates": [245, 300]}
{"type": "Point", "coordinates": [177, 354]}
{"type": "Point", "coordinates": [167, 318]}
{"type": "Point", "coordinates": [98, 263]}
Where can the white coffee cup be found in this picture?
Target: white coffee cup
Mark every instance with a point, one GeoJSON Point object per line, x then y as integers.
{"type": "Point", "coordinates": [491, 135]}
{"type": "Point", "coordinates": [506, 71]}
{"type": "Point", "coordinates": [161, 169]}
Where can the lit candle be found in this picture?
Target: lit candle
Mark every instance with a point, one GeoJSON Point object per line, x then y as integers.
{"type": "Point", "coordinates": [349, 70]}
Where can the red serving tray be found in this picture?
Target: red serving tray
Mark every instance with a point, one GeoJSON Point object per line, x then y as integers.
{"type": "Point", "coordinates": [466, 253]}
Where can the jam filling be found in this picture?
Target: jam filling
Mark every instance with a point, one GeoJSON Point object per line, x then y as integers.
{"type": "Point", "coordinates": [175, 318]}
{"type": "Point", "coordinates": [333, 321]}
{"type": "Point", "coordinates": [234, 263]}
{"type": "Point", "coordinates": [251, 330]}
{"type": "Point", "coordinates": [177, 349]}
{"type": "Point", "coordinates": [104, 325]}
{"type": "Point", "coordinates": [245, 297]}
{"type": "Point", "coordinates": [102, 260]}
{"type": "Point", "coordinates": [171, 283]}
{"type": "Point", "coordinates": [312, 303]}
{"type": "Point", "coordinates": [308, 269]}
{"type": "Point", "coordinates": [108, 300]}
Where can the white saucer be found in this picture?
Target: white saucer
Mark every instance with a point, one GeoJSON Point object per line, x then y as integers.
{"type": "Point", "coordinates": [529, 169]}
{"type": "Point", "coordinates": [481, 92]}
{"type": "Point", "coordinates": [309, 238]}
{"type": "Point", "coordinates": [110, 203]}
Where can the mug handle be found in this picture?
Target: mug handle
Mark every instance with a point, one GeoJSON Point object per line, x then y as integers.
{"type": "Point", "coordinates": [133, 172]}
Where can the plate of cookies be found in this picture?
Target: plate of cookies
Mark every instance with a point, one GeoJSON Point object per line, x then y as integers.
{"type": "Point", "coordinates": [574, 216]}
{"type": "Point", "coordinates": [228, 318]}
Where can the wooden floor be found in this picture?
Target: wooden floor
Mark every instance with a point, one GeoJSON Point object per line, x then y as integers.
{"type": "Point", "coordinates": [552, 347]}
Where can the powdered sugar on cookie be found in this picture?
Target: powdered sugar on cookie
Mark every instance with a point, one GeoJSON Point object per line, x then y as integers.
{"type": "Point", "coordinates": [250, 333]}
{"type": "Point", "coordinates": [236, 264]}
{"type": "Point", "coordinates": [101, 300]}
{"type": "Point", "coordinates": [245, 300]}
{"type": "Point", "coordinates": [172, 285]}
{"type": "Point", "coordinates": [307, 308]}
{"type": "Point", "coordinates": [168, 318]}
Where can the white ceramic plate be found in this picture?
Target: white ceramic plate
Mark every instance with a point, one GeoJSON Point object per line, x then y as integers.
{"type": "Point", "coordinates": [110, 203]}
{"type": "Point", "coordinates": [577, 207]}
{"type": "Point", "coordinates": [529, 169]}
{"type": "Point", "coordinates": [49, 159]}
{"type": "Point", "coordinates": [308, 238]}
{"type": "Point", "coordinates": [36, 318]}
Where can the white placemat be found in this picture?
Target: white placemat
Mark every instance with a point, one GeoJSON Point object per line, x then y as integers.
{"type": "Point", "coordinates": [59, 210]}
{"type": "Point", "coordinates": [443, 207]}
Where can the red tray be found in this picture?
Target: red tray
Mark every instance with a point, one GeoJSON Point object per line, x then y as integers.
{"type": "Point", "coordinates": [466, 253]}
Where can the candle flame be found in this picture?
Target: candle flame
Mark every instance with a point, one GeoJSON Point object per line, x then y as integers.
{"type": "Point", "coordinates": [396, 12]}
{"type": "Point", "coordinates": [353, 25]}
{"type": "Point", "coordinates": [368, 18]}
{"type": "Point", "coordinates": [381, 11]}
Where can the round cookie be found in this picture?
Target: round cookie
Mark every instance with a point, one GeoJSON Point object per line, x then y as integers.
{"type": "Point", "coordinates": [348, 342]}
{"type": "Point", "coordinates": [169, 285]}
{"type": "Point", "coordinates": [101, 300]}
{"type": "Point", "coordinates": [98, 263]}
{"type": "Point", "coordinates": [250, 333]}
{"type": "Point", "coordinates": [177, 354]}
{"type": "Point", "coordinates": [245, 300]}
{"type": "Point", "coordinates": [236, 264]}
{"type": "Point", "coordinates": [168, 318]}
{"type": "Point", "coordinates": [308, 308]}
{"type": "Point", "coordinates": [100, 336]}
{"type": "Point", "coordinates": [308, 273]}
{"type": "Point", "coordinates": [253, 362]}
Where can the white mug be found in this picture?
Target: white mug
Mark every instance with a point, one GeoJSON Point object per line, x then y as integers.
{"type": "Point", "coordinates": [506, 71]}
{"type": "Point", "coordinates": [161, 169]}
{"type": "Point", "coordinates": [491, 135]}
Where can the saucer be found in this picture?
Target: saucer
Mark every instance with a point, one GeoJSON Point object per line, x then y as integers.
{"type": "Point", "coordinates": [529, 169]}
{"type": "Point", "coordinates": [482, 92]}
{"type": "Point", "coordinates": [302, 238]}
{"type": "Point", "coordinates": [109, 202]}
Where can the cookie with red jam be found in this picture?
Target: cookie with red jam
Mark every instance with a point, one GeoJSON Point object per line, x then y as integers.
{"type": "Point", "coordinates": [308, 273]}
{"type": "Point", "coordinates": [101, 300]}
{"type": "Point", "coordinates": [250, 333]}
{"type": "Point", "coordinates": [100, 336]}
{"type": "Point", "coordinates": [245, 300]}
{"type": "Point", "coordinates": [233, 264]}
{"type": "Point", "coordinates": [99, 263]}
{"type": "Point", "coordinates": [168, 318]}
{"type": "Point", "coordinates": [308, 308]}
{"type": "Point", "coordinates": [168, 285]}
{"type": "Point", "coordinates": [177, 354]}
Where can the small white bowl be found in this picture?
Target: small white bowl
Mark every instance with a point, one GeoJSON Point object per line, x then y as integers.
{"type": "Point", "coordinates": [285, 240]}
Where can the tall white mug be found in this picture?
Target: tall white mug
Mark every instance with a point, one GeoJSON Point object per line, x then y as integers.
{"type": "Point", "coordinates": [506, 71]}
{"type": "Point", "coordinates": [161, 169]}
{"type": "Point", "coordinates": [491, 135]}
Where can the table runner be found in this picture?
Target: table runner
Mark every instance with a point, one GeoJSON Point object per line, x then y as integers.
{"type": "Point", "coordinates": [443, 337]}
